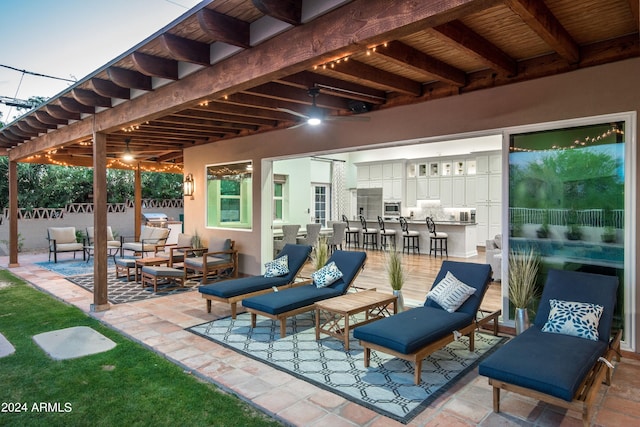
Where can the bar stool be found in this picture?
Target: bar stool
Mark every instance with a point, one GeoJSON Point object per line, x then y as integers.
{"type": "Point", "coordinates": [369, 235]}
{"type": "Point", "coordinates": [438, 241]}
{"type": "Point", "coordinates": [410, 239]}
{"type": "Point", "coordinates": [352, 234]}
{"type": "Point", "coordinates": [386, 234]}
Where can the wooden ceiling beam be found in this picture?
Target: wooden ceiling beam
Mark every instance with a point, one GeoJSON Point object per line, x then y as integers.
{"type": "Point", "coordinates": [27, 129]}
{"type": "Point", "coordinates": [58, 112]}
{"type": "Point", "coordinates": [246, 111]}
{"type": "Point", "coordinates": [246, 99]}
{"type": "Point", "coordinates": [224, 28]}
{"type": "Point", "coordinates": [167, 126]}
{"type": "Point", "coordinates": [36, 123]}
{"type": "Point", "coordinates": [289, 11]}
{"type": "Point", "coordinates": [221, 120]}
{"type": "Point", "coordinates": [474, 44]}
{"type": "Point", "coordinates": [129, 79]}
{"type": "Point", "coordinates": [294, 94]}
{"type": "Point", "coordinates": [336, 87]}
{"type": "Point", "coordinates": [108, 89]}
{"type": "Point", "coordinates": [17, 132]}
{"type": "Point", "coordinates": [73, 106]}
{"type": "Point", "coordinates": [540, 19]}
{"type": "Point", "coordinates": [90, 98]}
{"type": "Point", "coordinates": [230, 118]}
{"type": "Point", "coordinates": [47, 118]}
{"type": "Point", "coordinates": [155, 66]}
{"type": "Point", "coordinates": [366, 73]}
{"type": "Point", "coordinates": [195, 123]}
{"type": "Point", "coordinates": [186, 50]}
{"type": "Point", "coordinates": [634, 5]}
{"type": "Point", "coordinates": [430, 67]}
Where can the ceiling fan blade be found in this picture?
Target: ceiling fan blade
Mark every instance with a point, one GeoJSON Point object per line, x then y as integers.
{"type": "Point", "coordinates": [349, 118]}
{"type": "Point", "coordinates": [295, 113]}
{"type": "Point", "coordinates": [297, 126]}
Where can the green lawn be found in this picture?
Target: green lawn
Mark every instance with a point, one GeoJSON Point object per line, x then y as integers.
{"type": "Point", "coordinates": [126, 386]}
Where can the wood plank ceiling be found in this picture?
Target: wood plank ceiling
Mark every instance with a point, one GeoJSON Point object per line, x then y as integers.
{"type": "Point", "coordinates": [360, 55]}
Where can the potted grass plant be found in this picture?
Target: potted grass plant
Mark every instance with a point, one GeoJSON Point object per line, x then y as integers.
{"type": "Point", "coordinates": [395, 273]}
{"type": "Point", "coordinates": [320, 254]}
{"type": "Point", "coordinates": [523, 273]}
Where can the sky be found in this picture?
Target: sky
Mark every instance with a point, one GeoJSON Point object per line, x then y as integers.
{"type": "Point", "coordinates": [70, 39]}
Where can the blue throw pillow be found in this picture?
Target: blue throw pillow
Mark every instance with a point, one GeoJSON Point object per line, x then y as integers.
{"type": "Point", "coordinates": [578, 319]}
{"type": "Point", "coordinates": [278, 267]}
{"type": "Point", "coordinates": [326, 275]}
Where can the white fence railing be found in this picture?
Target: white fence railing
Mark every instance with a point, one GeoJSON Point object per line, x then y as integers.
{"type": "Point", "coordinates": [584, 217]}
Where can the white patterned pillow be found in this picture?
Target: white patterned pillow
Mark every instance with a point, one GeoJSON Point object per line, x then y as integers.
{"type": "Point", "coordinates": [278, 267]}
{"type": "Point", "coordinates": [326, 275]}
{"type": "Point", "coordinates": [578, 319]}
{"type": "Point", "coordinates": [450, 293]}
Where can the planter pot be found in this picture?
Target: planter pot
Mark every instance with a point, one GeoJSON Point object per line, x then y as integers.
{"type": "Point", "coordinates": [522, 320]}
{"type": "Point", "coordinates": [398, 293]}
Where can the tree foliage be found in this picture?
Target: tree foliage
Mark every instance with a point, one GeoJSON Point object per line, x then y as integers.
{"type": "Point", "coordinates": [52, 186]}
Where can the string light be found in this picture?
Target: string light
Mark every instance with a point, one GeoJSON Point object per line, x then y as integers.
{"type": "Point", "coordinates": [333, 63]}
{"type": "Point", "coordinates": [577, 143]}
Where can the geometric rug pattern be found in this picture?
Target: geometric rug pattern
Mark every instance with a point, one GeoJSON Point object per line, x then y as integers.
{"type": "Point", "coordinates": [120, 291]}
{"type": "Point", "coordinates": [386, 386]}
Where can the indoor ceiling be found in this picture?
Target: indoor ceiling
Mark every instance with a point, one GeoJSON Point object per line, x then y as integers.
{"type": "Point", "coordinates": [234, 68]}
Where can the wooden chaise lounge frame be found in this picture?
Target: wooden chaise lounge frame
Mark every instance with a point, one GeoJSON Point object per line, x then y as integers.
{"type": "Point", "coordinates": [282, 317]}
{"type": "Point", "coordinates": [586, 394]}
{"type": "Point", "coordinates": [233, 301]}
{"type": "Point", "coordinates": [418, 356]}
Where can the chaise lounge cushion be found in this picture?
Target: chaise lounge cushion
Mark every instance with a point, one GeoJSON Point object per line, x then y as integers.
{"type": "Point", "coordinates": [413, 329]}
{"type": "Point", "coordinates": [550, 363]}
{"type": "Point", "coordinates": [348, 262]}
{"type": "Point", "coordinates": [297, 255]}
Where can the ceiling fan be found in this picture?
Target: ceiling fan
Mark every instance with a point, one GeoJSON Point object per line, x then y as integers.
{"type": "Point", "coordinates": [316, 114]}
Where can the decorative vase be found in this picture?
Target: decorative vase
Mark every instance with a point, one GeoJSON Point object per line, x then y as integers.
{"type": "Point", "coordinates": [400, 301]}
{"type": "Point", "coordinates": [522, 320]}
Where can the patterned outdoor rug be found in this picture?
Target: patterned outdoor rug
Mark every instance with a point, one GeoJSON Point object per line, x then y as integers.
{"type": "Point", "coordinates": [386, 386]}
{"type": "Point", "coordinates": [120, 291]}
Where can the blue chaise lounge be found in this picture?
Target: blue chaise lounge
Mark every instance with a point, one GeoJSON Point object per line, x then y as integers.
{"type": "Point", "coordinates": [296, 300]}
{"type": "Point", "coordinates": [564, 356]}
{"type": "Point", "coordinates": [232, 291]}
{"type": "Point", "coordinates": [414, 334]}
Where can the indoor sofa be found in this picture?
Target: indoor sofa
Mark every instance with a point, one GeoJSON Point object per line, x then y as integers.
{"type": "Point", "coordinates": [414, 334]}
{"type": "Point", "coordinates": [566, 354]}
{"type": "Point", "coordinates": [289, 302]}
{"type": "Point", "coordinates": [235, 290]}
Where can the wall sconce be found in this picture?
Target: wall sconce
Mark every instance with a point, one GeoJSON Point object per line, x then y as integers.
{"type": "Point", "coordinates": [189, 186]}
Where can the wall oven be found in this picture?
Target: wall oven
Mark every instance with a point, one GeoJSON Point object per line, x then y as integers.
{"type": "Point", "coordinates": [391, 209]}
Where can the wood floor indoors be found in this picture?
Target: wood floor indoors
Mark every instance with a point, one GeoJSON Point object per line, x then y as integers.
{"type": "Point", "coordinates": [420, 272]}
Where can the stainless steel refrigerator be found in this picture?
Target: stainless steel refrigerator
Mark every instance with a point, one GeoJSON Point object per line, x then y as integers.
{"type": "Point", "coordinates": [369, 203]}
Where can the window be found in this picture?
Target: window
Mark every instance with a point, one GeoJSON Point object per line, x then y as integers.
{"type": "Point", "coordinates": [567, 191]}
{"type": "Point", "coordinates": [229, 203]}
{"type": "Point", "coordinates": [279, 189]}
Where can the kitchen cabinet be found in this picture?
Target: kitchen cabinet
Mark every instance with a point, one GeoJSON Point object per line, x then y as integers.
{"type": "Point", "coordinates": [446, 191]}
{"type": "Point", "coordinates": [411, 193]}
{"type": "Point", "coordinates": [434, 189]}
{"type": "Point", "coordinates": [362, 173]}
{"type": "Point", "coordinates": [392, 170]}
{"type": "Point", "coordinates": [375, 172]}
{"type": "Point", "coordinates": [392, 189]}
{"type": "Point", "coordinates": [488, 206]}
{"type": "Point", "coordinates": [458, 192]}
{"type": "Point", "coordinates": [422, 189]}
{"type": "Point", "coordinates": [489, 163]}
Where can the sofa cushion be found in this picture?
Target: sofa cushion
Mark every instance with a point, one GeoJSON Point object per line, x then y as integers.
{"type": "Point", "coordinates": [554, 364]}
{"type": "Point", "coordinates": [326, 275]}
{"type": "Point", "coordinates": [220, 245]}
{"type": "Point", "coordinates": [498, 241]}
{"type": "Point", "coordinates": [63, 235]}
{"type": "Point", "coordinates": [278, 267]}
{"type": "Point", "coordinates": [413, 329]}
{"type": "Point", "coordinates": [450, 293]}
{"type": "Point", "coordinates": [578, 319]}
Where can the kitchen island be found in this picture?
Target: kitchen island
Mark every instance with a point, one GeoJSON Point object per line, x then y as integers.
{"type": "Point", "coordinates": [462, 235]}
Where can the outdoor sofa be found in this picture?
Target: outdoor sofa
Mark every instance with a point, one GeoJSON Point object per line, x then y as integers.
{"type": "Point", "coordinates": [414, 334]}
{"type": "Point", "coordinates": [235, 290]}
{"type": "Point", "coordinates": [566, 354]}
{"type": "Point", "coordinates": [290, 302]}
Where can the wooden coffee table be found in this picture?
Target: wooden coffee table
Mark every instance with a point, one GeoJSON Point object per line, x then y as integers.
{"type": "Point", "coordinates": [142, 262]}
{"type": "Point", "coordinates": [333, 314]}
